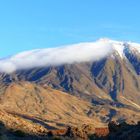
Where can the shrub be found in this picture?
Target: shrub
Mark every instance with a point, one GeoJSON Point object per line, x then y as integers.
{"type": "Point", "coordinates": [20, 133]}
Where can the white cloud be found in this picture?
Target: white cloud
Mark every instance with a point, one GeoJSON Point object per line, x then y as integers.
{"type": "Point", "coordinates": [81, 52]}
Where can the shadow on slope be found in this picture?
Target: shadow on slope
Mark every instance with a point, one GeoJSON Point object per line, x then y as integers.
{"type": "Point", "coordinates": [9, 134]}
{"type": "Point", "coordinates": [34, 120]}
{"type": "Point", "coordinates": [121, 131]}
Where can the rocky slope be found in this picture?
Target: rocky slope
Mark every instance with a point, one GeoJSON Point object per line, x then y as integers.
{"type": "Point", "coordinates": [112, 78]}
{"type": "Point", "coordinates": [53, 109]}
{"type": "Point", "coordinates": [79, 90]}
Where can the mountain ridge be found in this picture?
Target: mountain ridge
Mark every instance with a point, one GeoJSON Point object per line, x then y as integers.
{"type": "Point", "coordinates": [92, 92]}
{"type": "Point", "coordinates": [109, 78]}
{"type": "Point", "coordinates": [76, 53]}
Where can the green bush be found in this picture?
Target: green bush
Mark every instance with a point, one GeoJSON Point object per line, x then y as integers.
{"type": "Point", "coordinates": [20, 133]}
{"type": "Point", "coordinates": [3, 137]}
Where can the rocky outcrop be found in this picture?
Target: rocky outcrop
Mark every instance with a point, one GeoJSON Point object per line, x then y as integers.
{"type": "Point", "coordinates": [101, 132]}
{"type": "Point", "coordinates": [80, 133]}
{"type": "Point", "coordinates": [15, 122]}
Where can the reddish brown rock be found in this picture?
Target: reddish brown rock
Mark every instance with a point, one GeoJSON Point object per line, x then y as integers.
{"type": "Point", "coordinates": [101, 132]}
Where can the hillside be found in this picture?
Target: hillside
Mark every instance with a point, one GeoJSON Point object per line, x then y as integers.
{"type": "Point", "coordinates": [92, 86]}
{"type": "Point", "coordinates": [55, 109]}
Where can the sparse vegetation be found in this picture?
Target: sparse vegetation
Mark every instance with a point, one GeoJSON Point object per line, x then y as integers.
{"type": "Point", "coordinates": [20, 133]}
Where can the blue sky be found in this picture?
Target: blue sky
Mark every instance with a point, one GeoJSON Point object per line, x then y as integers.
{"type": "Point", "coordinates": [31, 24]}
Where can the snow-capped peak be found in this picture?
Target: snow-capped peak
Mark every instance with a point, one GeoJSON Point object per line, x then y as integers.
{"type": "Point", "coordinates": [119, 46]}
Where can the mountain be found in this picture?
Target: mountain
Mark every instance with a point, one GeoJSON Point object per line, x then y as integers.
{"type": "Point", "coordinates": [111, 77]}
{"type": "Point", "coordinates": [36, 110]}
{"type": "Point", "coordinates": [87, 83]}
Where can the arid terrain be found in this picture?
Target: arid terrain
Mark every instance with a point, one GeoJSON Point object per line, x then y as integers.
{"type": "Point", "coordinates": [82, 100]}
